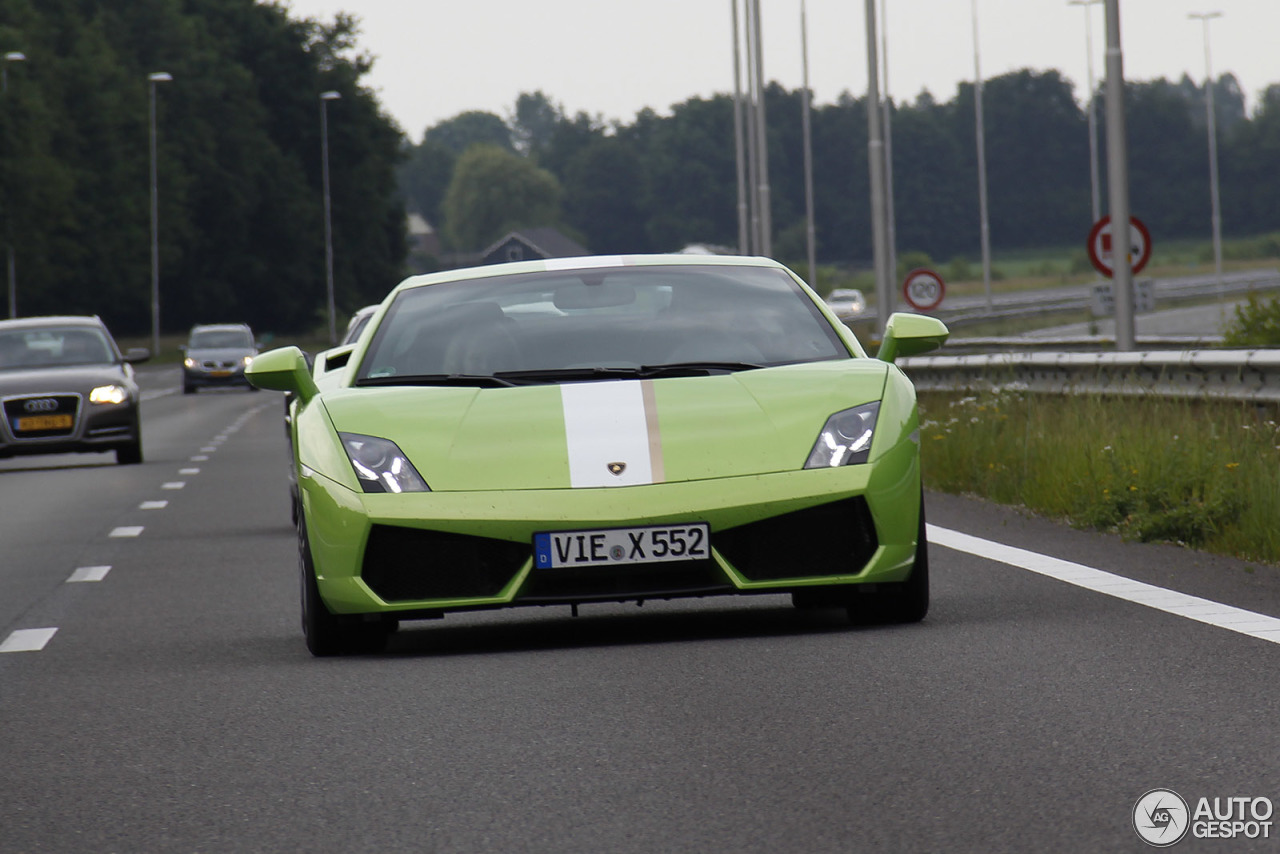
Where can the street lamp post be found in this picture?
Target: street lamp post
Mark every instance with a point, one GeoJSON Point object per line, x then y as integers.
{"type": "Point", "coordinates": [1094, 180]}
{"type": "Point", "coordinates": [325, 98]}
{"type": "Point", "coordinates": [984, 224]}
{"type": "Point", "coordinates": [10, 263]}
{"type": "Point", "coordinates": [152, 80]}
{"type": "Point", "coordinates": [1211, 117]}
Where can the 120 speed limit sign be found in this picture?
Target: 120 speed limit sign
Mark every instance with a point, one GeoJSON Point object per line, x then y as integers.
{"type": "Point", "coordinates": [923, 289]}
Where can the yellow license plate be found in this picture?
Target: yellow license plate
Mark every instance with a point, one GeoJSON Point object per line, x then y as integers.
{"type": "Point", "coordinates": [219, 373]}
{"type": "Point", "coordinates": [43, 422]}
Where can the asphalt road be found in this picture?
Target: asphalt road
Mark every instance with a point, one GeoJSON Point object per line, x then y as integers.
{"type": "Point", "coordinates": [176, 708]}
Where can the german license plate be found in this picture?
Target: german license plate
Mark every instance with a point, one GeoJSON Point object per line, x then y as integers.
{"type": "Point", "coordinates": [33, 423]}
{"type": "Point", "coordinates": [653, 544]}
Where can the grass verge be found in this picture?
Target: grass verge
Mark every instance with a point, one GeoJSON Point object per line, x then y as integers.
{"type": "Point", "coordinates": [1204, 474]}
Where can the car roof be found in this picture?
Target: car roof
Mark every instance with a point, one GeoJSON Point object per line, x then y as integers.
{"type": "Point", "coordinates": [52, 320]}
{"type": "Point", "coordinates": [220, 327]}
{"type": "Point", "coordinates": [587, 262]}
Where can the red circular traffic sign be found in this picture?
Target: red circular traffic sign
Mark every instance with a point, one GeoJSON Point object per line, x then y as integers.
{"type": "Point", "coordinates": [1100, 245]}
{"type": "Point", "coordinates": [923, 289]}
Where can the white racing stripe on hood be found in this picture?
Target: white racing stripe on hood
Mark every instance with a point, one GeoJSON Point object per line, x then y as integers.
{"type": "Point", "coordinates": [606, 423]}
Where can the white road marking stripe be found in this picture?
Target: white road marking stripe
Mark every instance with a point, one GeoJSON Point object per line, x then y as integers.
{"type": "Point", "coordinates": [188, 471]}
{"type": "Point", "coordinates": [173, 484]}
{"type": "Point", "coordinates": [126, 531]}
{"type": "Point", "coordinates": [208, 449]}
{"type": "Point", "coordinates": [604, 423]}
{"type": "Point", "coordinates": [27, 640]}
{"type": "Point", "coordinates": [199, 458]}
{"type": "Point", "coordinates": [89, 573]}
{"type": "Point", "coordinates": [153, 505]}
{"type": "Point", "coordinates": [1195, 608]}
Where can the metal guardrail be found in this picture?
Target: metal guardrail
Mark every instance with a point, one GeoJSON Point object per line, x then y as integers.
{"type": "Point", "coordinates": [1245, 375]}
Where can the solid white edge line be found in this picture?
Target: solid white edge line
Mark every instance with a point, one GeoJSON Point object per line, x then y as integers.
{"type": "Point", "coordinates": [1184, 605]}
{"type": "Point", "coordinates": [27, 640]}
{"type": "Point", "coordinates": [89, 573]}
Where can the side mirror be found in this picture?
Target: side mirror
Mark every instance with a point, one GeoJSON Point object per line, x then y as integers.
{"type": "Point", "coordinates": [911, 335]}
{"type": "Point", "coordinates": [134, 355]}
{"type": "Point", "coordinates": [284, 369]}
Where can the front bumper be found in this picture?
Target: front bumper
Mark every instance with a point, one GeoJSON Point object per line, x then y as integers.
{"type": "Point", "coordinates": [200, 377]}
{"type": "Point", "coordinates": [436, 552]}
{"type": "Point", "coordinates": [95, 428]}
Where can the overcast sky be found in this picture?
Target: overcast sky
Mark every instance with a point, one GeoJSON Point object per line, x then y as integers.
{"type": "Point", "coordinates": [612, 58]}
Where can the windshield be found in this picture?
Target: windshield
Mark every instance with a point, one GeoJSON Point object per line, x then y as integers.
{"type": "Point", "coordinates": [221, 339]}
{"type": "Point", "coordinates": [599, 323]}
{"type": "Point", "coordinates": [54, 346]}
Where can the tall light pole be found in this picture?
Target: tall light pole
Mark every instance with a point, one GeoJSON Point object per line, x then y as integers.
{"type": "Point", "coordinates": [810, 236]}
{"type": "Point", "coordinates": [762, 141]}
{"type": "Point", "coordinates": [875, 160]}
{"type": "Point", "coordinates": [1211, 115]}
{"type": "Point", "coordinates": [152, 80]}
{"type": "Point", "coordinates": [1095, 184]}
{"type": "Point", "coordinates": [325, 98]}
{"type": "Point", "coordinates": [10, 263]}
{"type": "Point", "coordinates": [984, 224]}
{"type": "Point", "coordinates": [744, 240]}
{"type": "Point", "coordinates": [891, 219]}
{"type": "Point", "coordinates": [1118, 182]}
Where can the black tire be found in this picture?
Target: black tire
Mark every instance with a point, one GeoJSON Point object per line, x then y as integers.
{"type": "Point", "coordinates": [903, 601]}
{"type": "Point", "coordinates": [130, 454]}
{"type": "Point", "coordinates": [189, 389]}
{"type": "Point", "coordinates": [329, 634]}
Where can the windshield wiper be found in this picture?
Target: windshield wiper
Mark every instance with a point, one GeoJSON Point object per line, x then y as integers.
{"type": "Point", "coordinates": [696, 369]}
{"type": "Point", "coordinates": [477, 380]}
{"type": "Point", "coordinates": [569, 374]}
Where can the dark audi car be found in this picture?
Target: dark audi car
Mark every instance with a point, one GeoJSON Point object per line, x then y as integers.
{"type": "Point", "coordinates": [216, 355]}
{"type": "Point", "coordinates": [65, 387]}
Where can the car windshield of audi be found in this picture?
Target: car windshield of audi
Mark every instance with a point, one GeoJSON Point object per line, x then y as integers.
{"type": "Point", "coordinates": [216, 355]}
{"type": "Point", "coordinates": [601, 429]}
{"type": "Point", "coordinates": [66, 388]}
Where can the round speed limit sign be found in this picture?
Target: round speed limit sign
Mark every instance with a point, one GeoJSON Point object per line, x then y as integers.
{"type": "Point", "coordinates": [923, 289]}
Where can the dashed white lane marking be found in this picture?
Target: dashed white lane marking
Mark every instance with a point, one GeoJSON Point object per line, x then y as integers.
{"type": "Point", "coordinates": [153, 505]}
{"type": "Point", "coordinates": [89, 573]}
{"type": "Point", "coordinates": [188, 471]}
{"type": "Point", "coordinates": [1195, 608]}
{"type": "Point", "coordinates": [173, 484]}
{"type": "Point", "coordinates": [126, 531]}
{"type": "Point", "coordinates": [208, 449]}
{"type": "Point", "coordinates": [27, 640]}
{"type": "Point", "coordinates": [199, 458]}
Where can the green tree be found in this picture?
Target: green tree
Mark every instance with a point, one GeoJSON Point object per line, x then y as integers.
{"type": "Point", "coordinates": [474, 127]}
{"type": "Point", "coordinates": [494, 191]}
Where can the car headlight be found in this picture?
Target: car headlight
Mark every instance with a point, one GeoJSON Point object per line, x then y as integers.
{"type": "Point", "coordinates": [108, 394]}
{"type": "Point", "coordinates": [380, 465]}
{"type": "Point", "coordinates": [189, 362]}
{"type": "Point", "coordinates": [845, 439]}
{"type": "Point", "coordinates": [244, 362]}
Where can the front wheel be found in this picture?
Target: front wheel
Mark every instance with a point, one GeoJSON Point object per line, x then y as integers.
{"type": "Point", "coordinates": [903, 601]}
{"type": "Point", "coordinates": [130, 454]}
{"type": "Point", "coordinates": [329, 634]}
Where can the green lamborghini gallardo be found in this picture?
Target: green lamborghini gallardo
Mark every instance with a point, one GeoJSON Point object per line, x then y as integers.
{"type": "Point", "coordinates": [603, 429]}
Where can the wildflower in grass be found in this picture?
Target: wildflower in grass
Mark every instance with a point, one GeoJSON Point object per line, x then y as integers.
{"type": "Point", "coordinates": [1107, 449]}
{"type": "Point", "coordinates": [1232, 466]}
{"type": "Point", "coordinates": [974, 420]}
{"type": "Point", "coordinates": [1133, 488]}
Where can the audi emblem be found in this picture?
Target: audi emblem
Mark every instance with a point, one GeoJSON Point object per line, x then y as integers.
{"type": "Point", "coordinates": [42, 404]}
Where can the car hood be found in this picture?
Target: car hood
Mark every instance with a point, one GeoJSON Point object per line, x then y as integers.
{"type": "Point", "coordinates": [614, 433]}
{"type": "Point", "coordinates": [71, 378]}
{"type": "Point", "coordinates": [221, 354]}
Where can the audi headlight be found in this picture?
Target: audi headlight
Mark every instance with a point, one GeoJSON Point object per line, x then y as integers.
{"type": "Point", "coordinates": [189, 362]}
{"type": "Point", "coordinates": [845, 439]}
{"type": "Point", "coordinates": [381, 466]}
{"type": "Point", "coordinates": [108, 394]}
